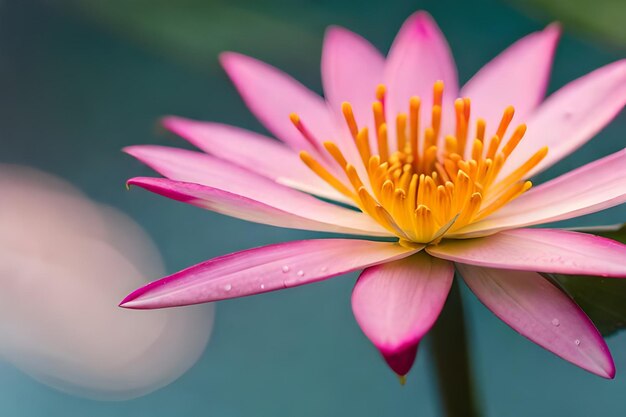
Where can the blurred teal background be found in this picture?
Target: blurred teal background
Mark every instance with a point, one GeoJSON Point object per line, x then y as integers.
{"type": "Point", "coordinates": [81, 79]}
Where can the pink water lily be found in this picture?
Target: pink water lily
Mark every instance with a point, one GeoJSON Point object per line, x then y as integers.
{"type": "Point", "coordinates": [443, 179]}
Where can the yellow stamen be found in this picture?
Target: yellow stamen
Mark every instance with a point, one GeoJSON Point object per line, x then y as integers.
{"type": "Point", "coordinates": [363, 145]}
{"type": "Point", "coordinates": [380, 93]}
{"type": "Point", "coordinates": [426, 189]}
{"type": "Point", "coordinates": [493, 147]}
{"type": "Point", "coordinates": [480, 129]}
{"type": "Point", "coordinates": [346, 109]}
{"type": "Point", "coordinates": [515, 139]}
{"type": "Point", "coordinates": [325, 175]}
{"type": "Point", "coordinates": [383, 149]}
{"type": "Point", "coordinates": [379, 115]}
{"type": "Point", "coordinates": [414, 109]}
{"type": "Point", "coordinates": [506, 119]}
{"type": "Point", "coordinates": [306, 134]}
{"type": "Point", "coordinates": [401, 131]}
{"type": "Point", "coordinates": [461, 124]}
{"type": "Point", "coordinates": [334, 151]}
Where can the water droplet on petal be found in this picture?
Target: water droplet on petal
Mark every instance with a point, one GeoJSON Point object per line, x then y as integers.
{"type": "Point", "coordinates": [324, 269]}
{"type": "Point", "coordinates": [228, 287]}
{"type": "Point", "coordinates": [577, 342]}
{"type": "Point", "coordinates": [300, 273]}
{"type": "Point", "coordinates": [285, 269]}
{"type": "Point", "coordinates": [262, 286]}
{"type": "Point", "coordinates": [556, 322]}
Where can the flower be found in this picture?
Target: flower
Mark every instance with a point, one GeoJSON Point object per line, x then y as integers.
{"type": "Point", "coordinates": [447, 188]}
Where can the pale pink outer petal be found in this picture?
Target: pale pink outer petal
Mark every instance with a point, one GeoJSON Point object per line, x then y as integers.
{"type": "Point", "coordinates": [264, 269]}
{"type": "Point", "coordinates": [272, 96]}
{"type": "Point", "coordinates": [398, 302]}
{"type": "Point", "coordinates": [541, 312]}
{"type": "Point", "coordinates": [542, 250]}
{"type": "Point", "coordinates": [593, 187]}
{"type": "Point", "coordinates": [418, 57]}
{"type": "Point", "coordinates": [254, 152]}
{"type": "Point", "coordinates": [518, 76]}
{"type": "Point", "coordinates": [241, 207]}
{"type": "Point", "coordinates": [572, 116]}
{"type": "Point", "coordinates": [352, 68]}
{"type": "Point", "coordinates": [199, 168]}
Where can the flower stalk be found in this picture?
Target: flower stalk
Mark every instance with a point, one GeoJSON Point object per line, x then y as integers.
{"type": "Point", "coordinates": [449, 348]}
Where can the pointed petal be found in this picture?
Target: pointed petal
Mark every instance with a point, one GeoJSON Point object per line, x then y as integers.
{"type": "Point", "coordinates": [263, 269]}
{"type": "Point", "coordinates": [253, 152]}
{"type": "Point", "coordinates": [572, 116]}
{"type": "Point", "coordinates": [398, 302]}
{"type": "Point", "coordinates": [543, 250]}
{"type": "Point", "coordinates": [588, 189]}
{"type": "Point", "coordinates": [245, 208]}
{"type": "Point", "coordinates": [273, 95]}
{"type": "Point", "coordinates": [352, 68]}
{"type": "Point", "coordinates": [541, 312]}
{"type": "Point", "coordinates": [518, 76]}
{"type": "Point", "coordinates": [198, 168]}
{"type": "Point", "coordinates": [418, 57]}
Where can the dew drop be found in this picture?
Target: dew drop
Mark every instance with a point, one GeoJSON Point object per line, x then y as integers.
{"type": "Point", "coordinates": [577, 342]}
{"type": "Point", "coordinates": [300, 273]}
{"type": "Point", "coordinates": [285, 269]}
{"type": "Point", "coordinates": [262, 286]}
{"type": "Point", "coordinates": [324, 269]}
{"type": "Point", "coordinates": [228, 287]}
{"type": "Point", "coordinates": [556, 322]}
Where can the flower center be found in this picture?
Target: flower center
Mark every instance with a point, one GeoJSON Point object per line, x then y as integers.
{"type": "Point", "coordinates": [426, 183]}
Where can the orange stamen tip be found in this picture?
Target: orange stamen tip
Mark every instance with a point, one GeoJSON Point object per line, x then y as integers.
{"type": "Point", "coordinates": [438, 93]}
{"type": "Point", "coordinates": [329, 145]}
{"type": "Point", "coordinates": [381, 90]}
{"type": "Point", "coordinates": [295, 119]}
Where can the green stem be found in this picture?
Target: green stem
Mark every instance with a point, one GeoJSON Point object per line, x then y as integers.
{"type": "Point", "coordinates": [449, 348]}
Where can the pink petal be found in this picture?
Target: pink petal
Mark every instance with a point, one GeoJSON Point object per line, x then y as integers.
{"type": "Point", "coordinates": [588, 189]}
{"type": "Point", "coordinates": [543, 250]}
{"type": "Point", "coordinates": [418, 57]}
{"type": "Point", "coordinates": [242, 207]}
{"type": "Point", "coordinates": [538, 310]}
{"type": "Point", "coordinates": [572, 116]}
{"type": "Point", "coordinates": [253, 152]}
{"type": "Point", "coordinates": [264, 269]}
{"type": "Point", "coordinates": [398, 302]}
{"type": "Point", "coordinates": [352, 68]}
{"type": "Point", "coordinates": [518, 77]}
{"type": "Point", "coordinates": [273, 95]}
{"type": "Point", "coordinates": [194, 167]}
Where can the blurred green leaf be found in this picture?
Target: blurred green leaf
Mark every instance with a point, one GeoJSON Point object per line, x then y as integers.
{"type": "Point", "coordinates": [603, 299]}
{"type": "Point", "coordinates": [195, 31]}
{"type": "Point", "coordinates": [603, 19]}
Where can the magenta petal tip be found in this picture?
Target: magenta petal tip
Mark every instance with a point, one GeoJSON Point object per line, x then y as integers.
{"type": "Point", "coordinates": [401, 361]}
{"type": "Point", "coordinates": [132, 301]}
